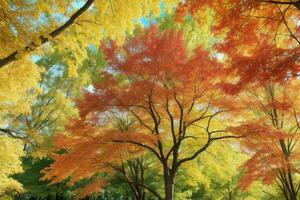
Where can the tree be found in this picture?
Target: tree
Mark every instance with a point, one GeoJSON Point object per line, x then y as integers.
{"type": "Point", "coordinates": [215, 174]}
{"type": "Point", "coordinates": [34, 188]}
{"type": "Point", "coordinates": [31, 115]}
{"type": "Point", "coordinates": [164, 94]}
{"type": "Point", "coordinates": [18, 91]}
{"type": "Point", "coordinates": [140, 175]}
{"type": "Point", "coordinates": [53, 105]}
{"type": "Point", "coordinates": [266, 64]}
{"type": "Point", "coordinates": [272, 136]}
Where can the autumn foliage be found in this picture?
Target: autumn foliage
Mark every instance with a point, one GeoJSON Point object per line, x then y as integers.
{"type": "Point", "coordinates": [150, 99]}
{"type": "Point", "coordinates": [254, 20]}
{"type": "Point", "coordinates": [147, 95]}
{"type": "Point", "coordinates": [262, 42]}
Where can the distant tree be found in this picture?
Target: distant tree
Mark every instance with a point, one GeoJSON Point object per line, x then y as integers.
{"type": "Point", "coordinates": [37, 189]}
{"type": "Point", "coordinates": [271, 136]}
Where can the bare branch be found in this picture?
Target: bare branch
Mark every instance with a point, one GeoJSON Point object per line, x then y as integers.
{"type": "Point", "coordinates": [12, 133]}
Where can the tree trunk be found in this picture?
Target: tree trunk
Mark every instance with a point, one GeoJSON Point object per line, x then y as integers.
{"type": "Point", "coordinates": [169, 184]}
{"type": "Point", "coordinates": [293, 193]}
{"type": "Point", "coordinates": [287, 186]}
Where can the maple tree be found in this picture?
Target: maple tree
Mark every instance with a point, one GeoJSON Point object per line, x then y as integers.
{"type": "Point", "coordinates": [272, 136]}
{"type": "Point", "coordinates": [162, 93]}
{"type": "Point", "coordinates": [51, 107]}
{"type": "Point", "coordinates": [214, 176]}
{"type": "Point", "coordinates": [261, 48]}
{"type": "Point", "coordinates": [7, 12]}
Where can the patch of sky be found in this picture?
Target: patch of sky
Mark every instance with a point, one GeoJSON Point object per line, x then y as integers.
{"type": "Point", "coordinates": [35, 58]}
{"type": "Point", "coordinates": [77, 4]}
{"type": "Point", "coordinates": [59, 18]}
{"type": "Point", "coordinates": [57, 70]}
{"type": "Point", "coordinates": [219, 56]}
{"type": "Point", "coordinates": [90, 88]}
{"type": "Point", "coordinates": [147, 59]}
{"type": "Point", "coordinates": [110, 70]}
{"type": "Point", "coordinates": [151, 20]}
{"type": "Point", "coordinates": [12, 7]}
{"type": "Point", "coordinates": [162, 9]}
{"type": "Point", "coordinates": [92, 47]}
{"type": "Point", "coordinates": [144, 21]}
{"type": "Point", "coordinates": [13, 29]}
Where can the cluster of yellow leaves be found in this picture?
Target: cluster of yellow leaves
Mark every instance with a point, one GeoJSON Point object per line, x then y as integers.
{"type": "Point", "coordinates": [42, 146]}
{"type": "Point", "coordinates": [207, 167]}
{"type": "Point", "coordinates": [18, 88]}
{"type": "Point", "coordinates": [220, 163]}
{"type": "Point", "coordinates": [23, 21]}
{"type": "Point", "coordinates": [199, 33]}
{"type": "Point", "coordinates": [117, 17]}
{"type": "Point", "coordinates": [55, 116]}
{"type": "Point", "coordinates": [10, 163]}
{"type": "Point", "coordinates": [106, 20]}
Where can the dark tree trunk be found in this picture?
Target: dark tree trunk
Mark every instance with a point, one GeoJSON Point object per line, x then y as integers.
{"type": "Point", "coordinates": [292, 191]}
{"type": "Point", "coordinates": [169, 180]}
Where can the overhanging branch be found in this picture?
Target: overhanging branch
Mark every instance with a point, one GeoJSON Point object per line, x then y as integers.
{"type": "Point", "coordinates": [295, 3]}
{"type": "Point", "coordinates": [53, 34]}
{"type": "Point", "coordinates": [12, 133]}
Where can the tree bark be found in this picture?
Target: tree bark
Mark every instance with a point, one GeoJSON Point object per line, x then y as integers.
{"type": "Point", "coordinates": [293, 194]}
{"type": "Point", "coordinates": [169, 180]}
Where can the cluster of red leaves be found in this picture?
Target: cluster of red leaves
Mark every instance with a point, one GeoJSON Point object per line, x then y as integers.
{"type": "Point", "coordinates": [262, 142]}
{"type": "Point", "coordinates": [157, 64]}
{"type": "Point", "coordinates": [157, 55]}
{"type": "Point", "coordinates": [251, 38]}
{"type": "Point", "coordinates": [249, 16]}
{"type": "Point", "coordinates": [91, 150]}
{"type": "Point", "coordinates": [266, 64]}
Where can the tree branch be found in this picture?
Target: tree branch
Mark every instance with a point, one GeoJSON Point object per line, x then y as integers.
{"type": "Point", "coordinates": [141, 145]}
{"type": "Point", "coordinates": [204, 147]}
{"type": "Point", "coordinates": [295, 3]}
{"type": "Point", "coordinates": [144, 186]}
{"type": "Point", "coordinates": [12, 133]}
{"type": "Point", "coordinates": [53, 34]}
